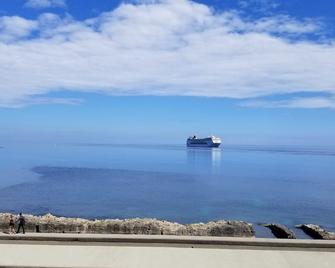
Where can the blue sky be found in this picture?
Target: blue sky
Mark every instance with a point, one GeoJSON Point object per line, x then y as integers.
{"type": "Point", "coordinates": [89, 8]}
{"type": "Point", "coordinates": [250, 71]}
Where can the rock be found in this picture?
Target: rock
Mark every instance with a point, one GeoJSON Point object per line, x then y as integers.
{"type": "Point", "coordinates": [221, 228]}
{"type": "Point", "coordinates": [316, 231]}
{"type": "Point", "coordinates": [51, 224]}
{"type": "Point", "coordinates": [280, 231]}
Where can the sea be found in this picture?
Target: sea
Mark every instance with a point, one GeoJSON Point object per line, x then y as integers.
{"type": "Point", "coordinates": [259, 184]}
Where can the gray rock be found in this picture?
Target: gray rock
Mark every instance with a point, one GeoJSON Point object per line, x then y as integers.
{"type": "Point", "coordinates": [316, 231]}
{"type": "Point", "coordinates": [280, 231]}
{"type": "Point", "coordinates": [52, 224]}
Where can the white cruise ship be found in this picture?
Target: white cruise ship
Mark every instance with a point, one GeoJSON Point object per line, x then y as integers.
{"type": "Point", "coordinates": [210, 142]}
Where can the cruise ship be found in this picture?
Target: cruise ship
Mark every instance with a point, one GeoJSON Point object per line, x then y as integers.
{"type": "Point", "coordinates": [208, 142]}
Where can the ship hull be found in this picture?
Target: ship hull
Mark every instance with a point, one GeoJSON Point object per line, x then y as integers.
{"type": "Point", "coordinates": [206, 142]}
{"type": "Point", "coordinates": [214, 145]}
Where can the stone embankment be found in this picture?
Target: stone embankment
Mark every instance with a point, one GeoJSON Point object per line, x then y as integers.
{"type": "Point", "coordinates": [316, 231]}
{"type": "Point", "coordinates": [280, 231]}
{"type": "Point", "coordinates": [52, 224]}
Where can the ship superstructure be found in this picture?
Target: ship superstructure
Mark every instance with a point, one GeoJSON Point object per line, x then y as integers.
{"type": "Point", "coordinates": [212, 141]}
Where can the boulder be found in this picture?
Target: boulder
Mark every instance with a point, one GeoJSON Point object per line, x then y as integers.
{"type": "Point", "coordinates": [280, 231]}
{"type": "Point", "coordinates": [316, 231]}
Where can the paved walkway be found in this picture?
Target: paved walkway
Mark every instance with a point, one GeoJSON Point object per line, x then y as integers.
{"type": "Point", "coordinates": [151, 251]}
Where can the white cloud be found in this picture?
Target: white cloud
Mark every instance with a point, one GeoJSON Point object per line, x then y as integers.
{"type": "Point", "coordinates": [301, 102]}
{"type": "Point", "coordinates": [13, 28]}
{"type": "Point", "coordinates": [45, 3]}
{"type": "Point", "coordinates": [165, 48]}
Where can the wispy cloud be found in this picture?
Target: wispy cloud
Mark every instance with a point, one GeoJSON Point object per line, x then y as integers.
{"type": "Point", "coordinates": [45, 3]}
{"type": "Point", "coordinates": [42, 100]}
{"type": "Point", "coordinates": [301, 102]}
{"type": "Point", "coordinates": [164, 48]}
{"type": "Point", "coordinates": [259, 5]}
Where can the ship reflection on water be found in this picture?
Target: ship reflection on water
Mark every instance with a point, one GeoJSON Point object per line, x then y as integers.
{"type": "Point", "coordinates": [198, 158]}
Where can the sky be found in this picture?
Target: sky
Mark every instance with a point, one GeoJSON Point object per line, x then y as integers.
{"type": "Point", "coordinates": [151, 71]}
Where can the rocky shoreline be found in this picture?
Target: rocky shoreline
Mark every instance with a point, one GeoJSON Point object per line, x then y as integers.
{"type": "Point", "coordinates": [52, 224]}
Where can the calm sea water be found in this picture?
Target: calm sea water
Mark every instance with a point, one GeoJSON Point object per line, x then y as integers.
{"type": "Point", "coordinates": [253, 183]}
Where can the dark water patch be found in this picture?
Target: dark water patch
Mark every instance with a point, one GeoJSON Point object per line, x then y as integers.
{"type": "Point", "coordinates": [186, 198]}
{"type": "Point", "coordinates": [102, 193]}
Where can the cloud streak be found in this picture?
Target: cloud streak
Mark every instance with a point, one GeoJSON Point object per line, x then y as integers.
{"type": "Point", "coordinates": [259, 5]}
{"type": "Point", "coordinates": [38, 4]}
{"type": "Point", "coordinates": [301, 102]}
{"type": "Point", "coordinates": [179, 48]}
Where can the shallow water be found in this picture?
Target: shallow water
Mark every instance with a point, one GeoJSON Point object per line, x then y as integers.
{"type": "Point", "coordinates": [253, 183]}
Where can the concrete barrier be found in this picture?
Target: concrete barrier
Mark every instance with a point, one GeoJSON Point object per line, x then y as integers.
{"type": "Point", "coordinates": [167, 240]}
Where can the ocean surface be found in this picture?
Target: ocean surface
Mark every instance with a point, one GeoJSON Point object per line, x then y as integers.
{"type": "Point", "coordinates": [258, 184]}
